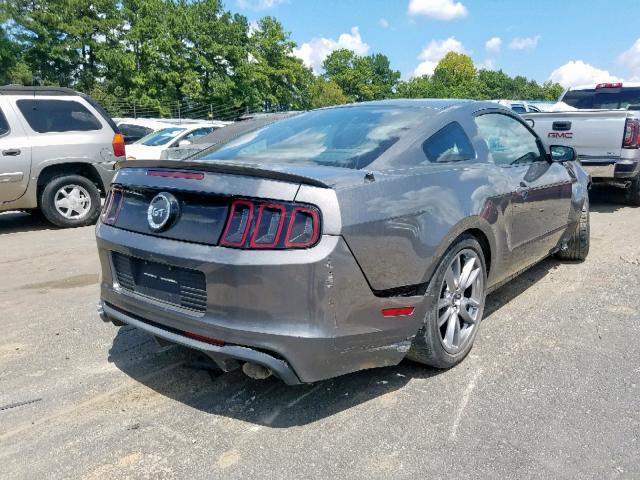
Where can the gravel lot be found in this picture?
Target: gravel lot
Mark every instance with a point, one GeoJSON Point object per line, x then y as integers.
{"type": "Point", "coordinates": [550, 390]}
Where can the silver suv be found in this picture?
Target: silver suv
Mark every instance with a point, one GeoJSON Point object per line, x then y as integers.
{"type": "Point", "coordinates": [58, 148]}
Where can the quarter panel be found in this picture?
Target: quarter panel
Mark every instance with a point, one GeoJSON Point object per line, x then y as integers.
{"type": "Point", "coordinates": [399, 227]}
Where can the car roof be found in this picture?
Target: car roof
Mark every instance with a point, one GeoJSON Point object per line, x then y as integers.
{"type": "Point", "coordinates": [592, 86]}
{"type": "Point", "coordinates": [28, 90]}
{"type": "Point", "coordinates": [432, 103]}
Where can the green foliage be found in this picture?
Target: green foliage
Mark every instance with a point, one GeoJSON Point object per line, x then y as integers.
{"type": "Point", "coordinates": [325, 93]}
{"type": "Point", "coordinates": [361, 78]}
{"type": "Point", "coordinates": [175, 57]}
{"type": "Point", "coordinates": [455, 76]}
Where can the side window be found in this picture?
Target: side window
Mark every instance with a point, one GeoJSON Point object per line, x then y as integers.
{"type": "Point", "coordinates": [4, 125]}
{"type": "Point", "coordinates": [200, 132]}
{"type": "Point", "coordinates": [509, 142]}
{"type": "Point", "coordinates": [450, 144]}
{"type": "Point", "coordinates": [45, 116]}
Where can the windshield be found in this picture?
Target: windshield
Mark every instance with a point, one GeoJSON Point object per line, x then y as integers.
{"type": "Point", "coordinates": [603, 98]}
{"type": "Point", "coordinates": [350, 137]}
{"type": "Point", "coordinates": [161, 137]}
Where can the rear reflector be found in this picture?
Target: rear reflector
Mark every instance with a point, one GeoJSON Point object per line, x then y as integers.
{"type": "Point", "coordinates": [202, 338]}
{"type": "Point", "coordinates": [398, 311]}
{"type": "Point", "coordinates": [173, 174]}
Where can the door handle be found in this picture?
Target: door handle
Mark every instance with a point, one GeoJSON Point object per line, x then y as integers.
{"type": "Point", "coordinates": [12, 152]}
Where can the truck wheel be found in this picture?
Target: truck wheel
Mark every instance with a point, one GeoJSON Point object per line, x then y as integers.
{"type": "Point", "coordinates": [70, 201]}
{"type": "Point", "coordinates": [458, 289]}
{"type": "Point", "coordinates": [633, 192]}
{"type": "Point", "coordinates": [578, 245]}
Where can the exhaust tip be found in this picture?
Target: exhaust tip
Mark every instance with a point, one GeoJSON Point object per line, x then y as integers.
{"type": "Point", "coordinates": [257, 372]}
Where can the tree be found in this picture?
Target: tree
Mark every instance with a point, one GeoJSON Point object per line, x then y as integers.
{"type": "Point", "coordinates": [325, 93]}
{"type": "Point", "coordinates": [361, 78]}
{"type": "Point", "coordinates": [455, 76]}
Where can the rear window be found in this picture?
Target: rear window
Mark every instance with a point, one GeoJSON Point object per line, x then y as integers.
{"type": "Point", "coordinates": [45, 116]}
{"type": "Point", "coordinates": [349, 137]}
{"type": "Point", "coordinates": [450, 144]}
{"type": "Point", "coordinates": [4, 125]}
{"type": "Point", "coordinates": [603, 98]}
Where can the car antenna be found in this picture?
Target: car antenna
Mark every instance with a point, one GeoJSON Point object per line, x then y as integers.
{"type": "Point", "coordinates": [369, 177]}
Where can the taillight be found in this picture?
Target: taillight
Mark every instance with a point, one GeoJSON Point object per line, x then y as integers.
{"type": "Point", "coordinates": [118, 145]}
{"type": "Point", "coordinates": [609, 85]}
{"type": "Point", "coordinates": [270, 225]}
{"type": "Point", "coordinates": [112, 206]}
{"type": "Point", "coordinates": [631, 134]}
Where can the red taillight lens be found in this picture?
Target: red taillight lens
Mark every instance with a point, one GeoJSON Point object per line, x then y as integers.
{"type": "Point", "coordinates": [241, 231]}
{"type": "Point", "coordinates": [118, 145]}
{"type": "Point", "coordinates": [303, 228]}
{"type": "Point", "coordinates": [398, 311]}
{"type": "Point", "coordinates": [268, 226]}
{"type": "Point", "coordinates": [238, 224]}
{"type": "Point", "coordinates": [631, 134]}
{"type": "Point", "coordinates": [112, 206]}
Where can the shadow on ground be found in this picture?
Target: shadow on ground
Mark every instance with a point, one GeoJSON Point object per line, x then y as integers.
{"type": "Point", "coordinates": [606, 199]}
{"type": "Point", "coordinates": [196, 382]}
{"type": "Point", "coordinates": [16, 222]}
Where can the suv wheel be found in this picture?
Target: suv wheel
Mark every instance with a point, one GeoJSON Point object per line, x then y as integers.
{"type": "Point", "coordinates": [578, 244]}
{"type": "Point", "coordinates": [70, 201]}
{"type": "Point", "coordinates": [452, 321]}
{"type": "Point", "coordinates": [633, 192]}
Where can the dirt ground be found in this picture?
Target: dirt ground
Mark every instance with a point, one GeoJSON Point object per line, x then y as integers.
{"type": "Point", "coordinates": [550, 390]}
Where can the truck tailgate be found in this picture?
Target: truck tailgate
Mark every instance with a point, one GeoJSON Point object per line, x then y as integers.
{"type": "Point", "coordinates": [593, 133]}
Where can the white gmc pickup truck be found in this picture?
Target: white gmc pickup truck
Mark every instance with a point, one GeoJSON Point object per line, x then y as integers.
{"type": "Point", "coordinates": [602, 123]}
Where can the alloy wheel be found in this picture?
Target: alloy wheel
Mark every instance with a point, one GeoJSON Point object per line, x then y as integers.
{"type": "Point", "coordinates": [72, 202]}
{"type": "Point", "coordinates": [461, 300]}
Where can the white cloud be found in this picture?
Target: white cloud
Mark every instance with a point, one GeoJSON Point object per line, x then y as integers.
{"type": "Point", "coordinates": [579, 73]}
{"type": "Point", "coordinates": [438, 9]}
{"type": "Point", "coordinates": [383, 22]}
{"type": "Point", "coordinates": [527, 43]}
{"type": "Point", "coordinates": [631, 60]}
{"type": "Point", "coordinates": [434, 52]}
{"type": "Point", "coordinates": [259, 4]}
{"type": "Point", "coordinates": [316, 50]}
{"type": "Point", "coordinates": [493, 45]}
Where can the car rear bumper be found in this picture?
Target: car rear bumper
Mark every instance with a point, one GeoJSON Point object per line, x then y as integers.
{"type": "Point", "coordinates": [611, 168]}
{"type": "Point", "coordinates": [307, 315]}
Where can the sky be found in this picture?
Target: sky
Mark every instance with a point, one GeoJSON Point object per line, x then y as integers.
{"type": "Point", "coordinates": [572, 42]}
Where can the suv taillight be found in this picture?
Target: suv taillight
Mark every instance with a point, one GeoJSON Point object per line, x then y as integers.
{"type": "Point", "coordinates": [112, 206]}
{"type": "Point", "coordinates": [631, 134]}
{"type": "Point", "coordinates": [118, 145]}
{"type": "Point", "coordinates": [270, 225]}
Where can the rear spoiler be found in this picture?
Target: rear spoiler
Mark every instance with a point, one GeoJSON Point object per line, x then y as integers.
{"type": "Point", "coordinates": [223, 167]}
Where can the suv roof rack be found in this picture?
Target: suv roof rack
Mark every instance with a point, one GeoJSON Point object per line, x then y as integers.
{"type": "Point", "coordinates": [26, 90]}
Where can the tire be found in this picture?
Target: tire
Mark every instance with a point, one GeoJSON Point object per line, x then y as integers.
{"type": "Point", "coordinates": [632, 193]}
{"type": "Point", "coordinates": [430, 345]}
{"type": "Point", "coordinates": [578, 244]}
{"type": "Point", "coordinates": [82, 206]}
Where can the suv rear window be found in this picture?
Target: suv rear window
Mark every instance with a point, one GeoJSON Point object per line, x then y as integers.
{"type": "Point", "coordinates": [603, 98]}
{"type": "Point", "coordinates": [45, 116]}
{"type": "Point", "coordinates": [449, 144]}
{"type": "Point", "coordinates": [4, 125]}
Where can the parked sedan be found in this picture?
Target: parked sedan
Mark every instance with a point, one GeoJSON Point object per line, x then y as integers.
{"type": "Point", "coordinates": [151, 146]}
{"type": "Point", "coordinates": [339, 239]}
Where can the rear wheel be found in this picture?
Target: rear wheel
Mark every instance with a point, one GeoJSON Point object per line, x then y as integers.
{"type": "Point", "coordinates": [578, 244]}
{"type": "Point", "coordinates": [458, 289]}
{"type": "Point", "coordinates": [633, 192]}
{"type": "Point", "coordinates": [70, 201]}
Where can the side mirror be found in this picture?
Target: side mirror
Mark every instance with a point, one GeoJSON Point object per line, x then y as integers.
{"type": "Point", "coordinates": [562, 153]}
{"type": "Point", "coordinates": [184, 143]}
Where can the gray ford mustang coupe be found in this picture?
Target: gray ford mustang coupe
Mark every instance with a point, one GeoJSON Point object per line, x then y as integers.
{"type": "Point", "coordinates": [339, 239]}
